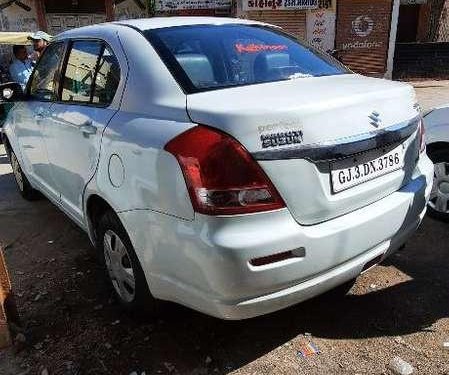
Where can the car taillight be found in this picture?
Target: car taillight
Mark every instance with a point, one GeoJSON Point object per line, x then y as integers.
{"type": "Point", "coordinates": [221, 176]}
{"type": "Point", "coordinates": [421, 136]}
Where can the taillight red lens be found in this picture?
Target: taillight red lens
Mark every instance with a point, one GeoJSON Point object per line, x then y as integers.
{"type": "Point", "coordinates": [222, 177]}
{"type": "Point", "coordinates": [422, 136]}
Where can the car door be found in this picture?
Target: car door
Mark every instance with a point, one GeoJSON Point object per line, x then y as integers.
{"type": "Point", "coordinates": [89, 81]}
{"type": "Point", "coordinates": [30, 118]}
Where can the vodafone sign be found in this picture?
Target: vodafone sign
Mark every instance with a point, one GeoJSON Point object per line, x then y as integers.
{"type": "Point", "coordinates": [363, 26]}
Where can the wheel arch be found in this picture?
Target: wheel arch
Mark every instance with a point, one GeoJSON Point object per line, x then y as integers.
{"type": "Point", "coordinates": [96, 206]}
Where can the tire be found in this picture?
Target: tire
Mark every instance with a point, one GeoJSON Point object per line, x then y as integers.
{"type": "Point", "coordinates": [122, 266]}
{"type": "Point", "coordinates": [438, 206]}
{"type": "Point", "coordinates": [24, 186]}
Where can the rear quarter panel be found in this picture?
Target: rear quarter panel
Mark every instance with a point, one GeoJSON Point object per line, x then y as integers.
{"type": "Point", "coordinates": [152, 178]}
{"type": "Point", "coordinates": [152, 112]}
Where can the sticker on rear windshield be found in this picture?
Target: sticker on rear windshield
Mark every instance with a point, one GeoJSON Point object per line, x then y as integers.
{"type": "Point", "coordinates": [256, 48]}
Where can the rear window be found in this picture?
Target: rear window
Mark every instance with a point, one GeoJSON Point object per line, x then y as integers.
{"type": "Point", "coordinates": [208, 57]}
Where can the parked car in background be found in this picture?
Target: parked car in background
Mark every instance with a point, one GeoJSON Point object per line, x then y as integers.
{"type": "Point", "coordinates": [220, 163]}
{"type": "Point", "coordinates": [437, 138]}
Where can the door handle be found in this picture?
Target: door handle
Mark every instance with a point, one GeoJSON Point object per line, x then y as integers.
{"type": "Point", "coordinates": [88, 129]}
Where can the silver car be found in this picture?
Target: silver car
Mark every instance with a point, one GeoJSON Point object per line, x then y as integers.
{"type": "Point", "coordinates": [219, 163]}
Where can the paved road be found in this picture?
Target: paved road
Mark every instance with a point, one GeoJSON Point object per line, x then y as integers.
{"type": "Point", "coordinates": [74, 326]}
{"type": "Point", "coordinates": [432, 93]}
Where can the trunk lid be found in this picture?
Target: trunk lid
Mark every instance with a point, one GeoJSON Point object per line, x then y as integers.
{"type": "Point", "coordinates": [316, 113]}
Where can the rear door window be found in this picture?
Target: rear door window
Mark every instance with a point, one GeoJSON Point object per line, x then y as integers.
{"type": "Point", "coordinates": [91, 75]}
{"type": "Point", "coordinates": [80, 71]}
{"type": "Point", "coordinates": [207, 57]}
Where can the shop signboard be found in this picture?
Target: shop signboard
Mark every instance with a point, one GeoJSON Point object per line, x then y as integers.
{"type": "Point", "coordinates": [249, 5]}
{"type": "Point", "coordinates": [171, 5]}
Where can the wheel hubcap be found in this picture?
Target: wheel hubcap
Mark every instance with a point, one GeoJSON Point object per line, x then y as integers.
{"type": "Point", "coordinates": [118, 263]}
{"type": "Point", "coordinates": [17, 171]}
{"type": "Point", "coordinates": [439, 198]}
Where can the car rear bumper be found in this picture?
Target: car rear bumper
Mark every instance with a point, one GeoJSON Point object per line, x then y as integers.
{"type": "Point", "coordinates": [307, 289]}
{"type": "Point", "coordinates": [205, 263]}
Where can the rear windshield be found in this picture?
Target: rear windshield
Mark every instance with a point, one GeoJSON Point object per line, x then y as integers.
{"type": "Point", "coordinates": [208, 57]}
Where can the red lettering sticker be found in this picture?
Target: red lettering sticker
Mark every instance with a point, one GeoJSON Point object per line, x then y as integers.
{"type": "Point", "coordinates": [255, 48]}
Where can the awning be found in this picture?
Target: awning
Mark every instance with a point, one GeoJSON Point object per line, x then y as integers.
{"type": "Point", "coordinates": [10, 37]}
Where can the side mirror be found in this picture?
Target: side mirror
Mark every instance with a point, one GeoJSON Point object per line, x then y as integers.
{"type": "Point", "coordinates": [11, 92]}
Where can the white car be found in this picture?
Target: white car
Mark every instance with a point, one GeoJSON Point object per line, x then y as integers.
{"type": "Point", "coordinates": [219, 163]}
{"type": "Point", "coordinates": [436, 124]}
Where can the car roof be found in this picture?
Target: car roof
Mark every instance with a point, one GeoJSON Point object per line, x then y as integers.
{"type": "Point", "coordinates": [143, 24]}
{"type": "Point", "coordinates": [160, 22]}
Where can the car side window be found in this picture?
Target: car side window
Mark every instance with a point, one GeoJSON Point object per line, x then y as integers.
{"type": "Point", "coordinates": [107, 78]}
{"type": "Point", "coordinates": [92, 74]}
{"type": "Point", "coordinates": [44, 78]}
{"type": "Point", "coordinates": [80, 71]}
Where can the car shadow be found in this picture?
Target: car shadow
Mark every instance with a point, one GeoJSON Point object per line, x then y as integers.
{"type": "Point", "coordinates": [80, 311]}
{"type": "Point", "coordinates": [184, 337]}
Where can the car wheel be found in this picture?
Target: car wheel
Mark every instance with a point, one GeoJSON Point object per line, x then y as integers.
{"type": "Point", "coordinates": [25, 188]}
{"type": "Point", "coordinates": [438, 206]}
{"type": "Point", "coordinates": [122, 266]}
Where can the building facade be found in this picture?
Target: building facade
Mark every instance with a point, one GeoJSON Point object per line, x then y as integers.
{"type": "Point", "coordinates": [325, 24]}
{"type": "Point", "coordinates": [422, 43]}
{"type": "Point", "coordinates": [357, 31]}
{"type": "Point", "coordinates": [363, 34]}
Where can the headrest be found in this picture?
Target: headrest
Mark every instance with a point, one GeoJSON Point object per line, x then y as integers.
{"type": "Point", "coordinates": [198, 68]}
{"type": "Point", "coordinates": [266, 63]}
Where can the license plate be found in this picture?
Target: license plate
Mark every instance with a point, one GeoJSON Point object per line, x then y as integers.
{"type": "Point", "coordinates": [345, 178]}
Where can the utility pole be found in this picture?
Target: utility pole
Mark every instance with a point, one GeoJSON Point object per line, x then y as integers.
{"type": "Point", "coordinates": [392, 41]}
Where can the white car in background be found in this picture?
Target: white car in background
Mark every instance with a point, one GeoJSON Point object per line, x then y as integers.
{"type": "Point", "coordinates": [436, 123]}
{"type": "Point", "coordinates": [219, 163]}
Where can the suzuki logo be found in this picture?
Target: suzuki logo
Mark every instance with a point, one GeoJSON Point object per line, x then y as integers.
{"type": "Point", "coordinates": [376, 121]}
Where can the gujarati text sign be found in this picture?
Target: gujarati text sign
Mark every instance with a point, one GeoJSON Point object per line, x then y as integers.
{"type": "Point", "coordinates": [192, 4]}
{"type": "Point", "coordinates": [279, 4]}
